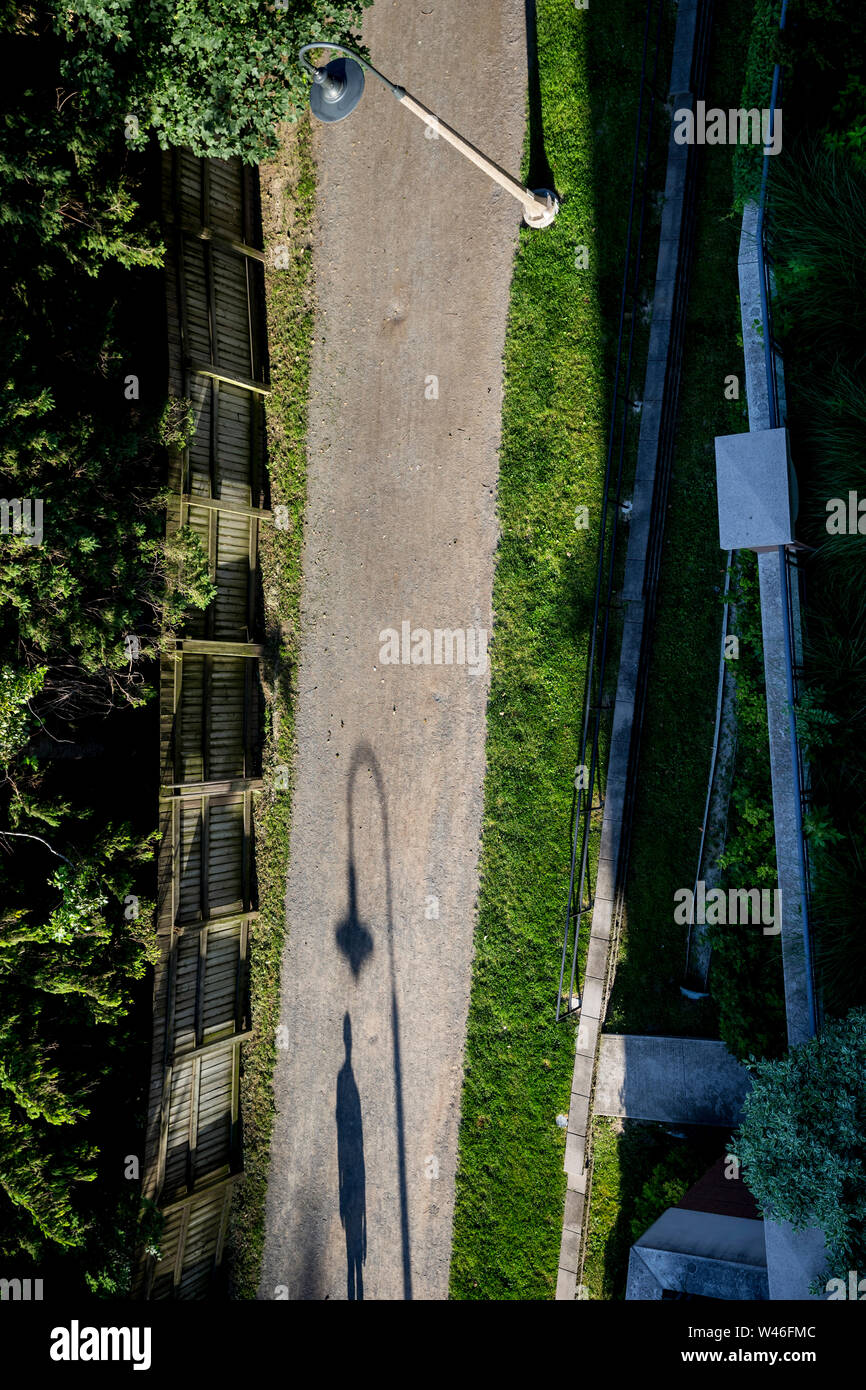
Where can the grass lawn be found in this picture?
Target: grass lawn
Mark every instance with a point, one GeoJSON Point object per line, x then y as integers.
{"type": "Point", "coordinates": [560, 340]}
{"type": "Point", "coordinates": [287, 206]}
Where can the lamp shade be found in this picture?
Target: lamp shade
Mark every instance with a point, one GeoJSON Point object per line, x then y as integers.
{"type": "Point", "coordinates": [337, 92]}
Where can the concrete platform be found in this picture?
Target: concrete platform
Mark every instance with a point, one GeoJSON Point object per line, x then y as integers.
{"type": "Point", "coordinates": [687, 1081]}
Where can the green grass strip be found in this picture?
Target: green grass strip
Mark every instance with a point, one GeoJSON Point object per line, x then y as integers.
{"type": "Point", "coordinates": [510, 1181]}
{"type": "Point", "coordinates": [288, 288]}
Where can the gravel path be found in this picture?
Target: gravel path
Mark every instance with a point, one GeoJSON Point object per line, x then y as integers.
{"type": "Point", "coordinates": [413, 259]}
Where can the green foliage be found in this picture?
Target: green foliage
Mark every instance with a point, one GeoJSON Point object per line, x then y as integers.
{"type": "Point", "coordinates": [92, 81]}
{"type": "Point", "coordinates": [826, 52]}
{"type": "Point", "coordinates": [814, 723]}
{"type": "Point", "coordinates": [667, 1184]}
{"type": "Point", "coordinates": [17, 689]}
{"type": "Point", "coordinates": [849, 110]}
{"type": "Point", "coordinates": [823, 55]}
{"type": "Point", "coordinates": [185, 571]}
{"type": "Point", "coordinates": [801, 1139]}
{"type": "Point", "coordinates": [81, 899]}
{"type": "Point", "coordinates": [765, 50]}
{"type": "Point", "coordinates": [822, 245]}
{"type": "Point", "coordinates": [103, 568]}
{"type": "Point", "coordinates": [40, 1183]}
{"type": "Point", "coordinates": [840, 896]}
{"type": "Point", "coordinates": [213, 75]}
{"type": "Point", "coordinates": [177, 423]}
{"type": "Point", "coordinates": [749, 858]}
{"type": "Point", "coordinates": [820, 830]}
{"type": "Point", "coordinates": [69, 193]}
{"type": "Point", "coordinates": [69, 958]}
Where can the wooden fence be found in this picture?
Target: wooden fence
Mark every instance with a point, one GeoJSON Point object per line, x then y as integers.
{"type": "Point", "coordinates": [209, 722]}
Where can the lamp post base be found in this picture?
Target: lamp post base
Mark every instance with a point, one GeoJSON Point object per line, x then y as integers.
{"type": "Point", "coordinates": [541, 215]}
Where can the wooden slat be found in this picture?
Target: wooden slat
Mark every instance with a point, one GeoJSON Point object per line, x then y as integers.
{"type": "Point", "coordinates": [185, 928]}
{"type": "Point", "coordinates": [202, 647]}
{"type": "Point", "coordinates": [223, 1228]}
{"type": "Point", "coordinates": [224, 788]}
{"type": "Point", "coordinates": [201, 1193]}
{"type": "Point", "coordinates": [181, 1245]}
{"type": "Point", "coordinates": [218, 374]}
{"type": "Point", "coordinates": [192, 1132]}
{"type": "Point", "coordinates": [219, 504]}
{"type": "Point", "coordinates": [204, 233]}
{"type": "Point", "coordinates": [219, 1045]}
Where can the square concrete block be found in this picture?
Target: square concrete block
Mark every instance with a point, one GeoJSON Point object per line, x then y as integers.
{"type": "Point", "coordinates": [605, 881]}
{"type": "Point", "coordinates": [615, 792]}
{"type": "Point", "coordinates": [578, 1115]}
{"type": "Point", "coordinates": [663, 300]}
{"type": "Point", "coordinates": [666, 265]}
{"type": "Point", "coordinates": [575, 1153]}
{"type": "Point", "coordinates": [632, 584]}
{"type": "Point", "coordinates": [582, 1075]}
{"type": "Point", "coordinates": [587, 1035]}
{"type": "Point", "coordinates": [576, 1181]}
{"type": "Point", "coordinates": [591, 1004]}
{"type": "Point", "coordinates": [569, 1250]}
{"type": "Point", "coordinates": [754, 494]}
{"type": "Point", "coordinates": [574, 1206]}
{"type": "Point", "coordinates": [566, 1284]}
{"type": "Point", "coordinates": [676, 172]}
{"type": "Point", "coordinates": [602, 916]}
{"type": "Point", "coordinates": [596, 957]}
{"type": "Point", "coordinates": [629, 652]}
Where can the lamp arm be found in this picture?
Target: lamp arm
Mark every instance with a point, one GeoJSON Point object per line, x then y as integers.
{"type": "Point", "coordinates": [315, 73]}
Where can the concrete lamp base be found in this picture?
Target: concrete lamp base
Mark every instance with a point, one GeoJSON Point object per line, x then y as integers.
{"type": "Point", "coordinates": [541, 214]}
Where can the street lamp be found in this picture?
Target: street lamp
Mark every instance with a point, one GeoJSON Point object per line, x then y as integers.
{"type": "Point", "coordinates": [339, 86]}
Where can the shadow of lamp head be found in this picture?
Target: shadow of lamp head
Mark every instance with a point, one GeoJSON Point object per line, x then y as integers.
{"type": "Point", "coordinates": [352, 936]}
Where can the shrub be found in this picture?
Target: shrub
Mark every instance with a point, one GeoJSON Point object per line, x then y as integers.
{"type": "Point", "coordinates": [666, 1185]}
{"type": "Point", "coordinates": [801, 1140]}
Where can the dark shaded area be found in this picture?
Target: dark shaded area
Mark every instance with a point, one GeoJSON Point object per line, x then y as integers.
{"type": "Point", "coordinates": [722, 1191]}
{"type": "Point", "coordinates": [539, 173]}
{"type": "Point", "coordinates": [352, 1170]}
